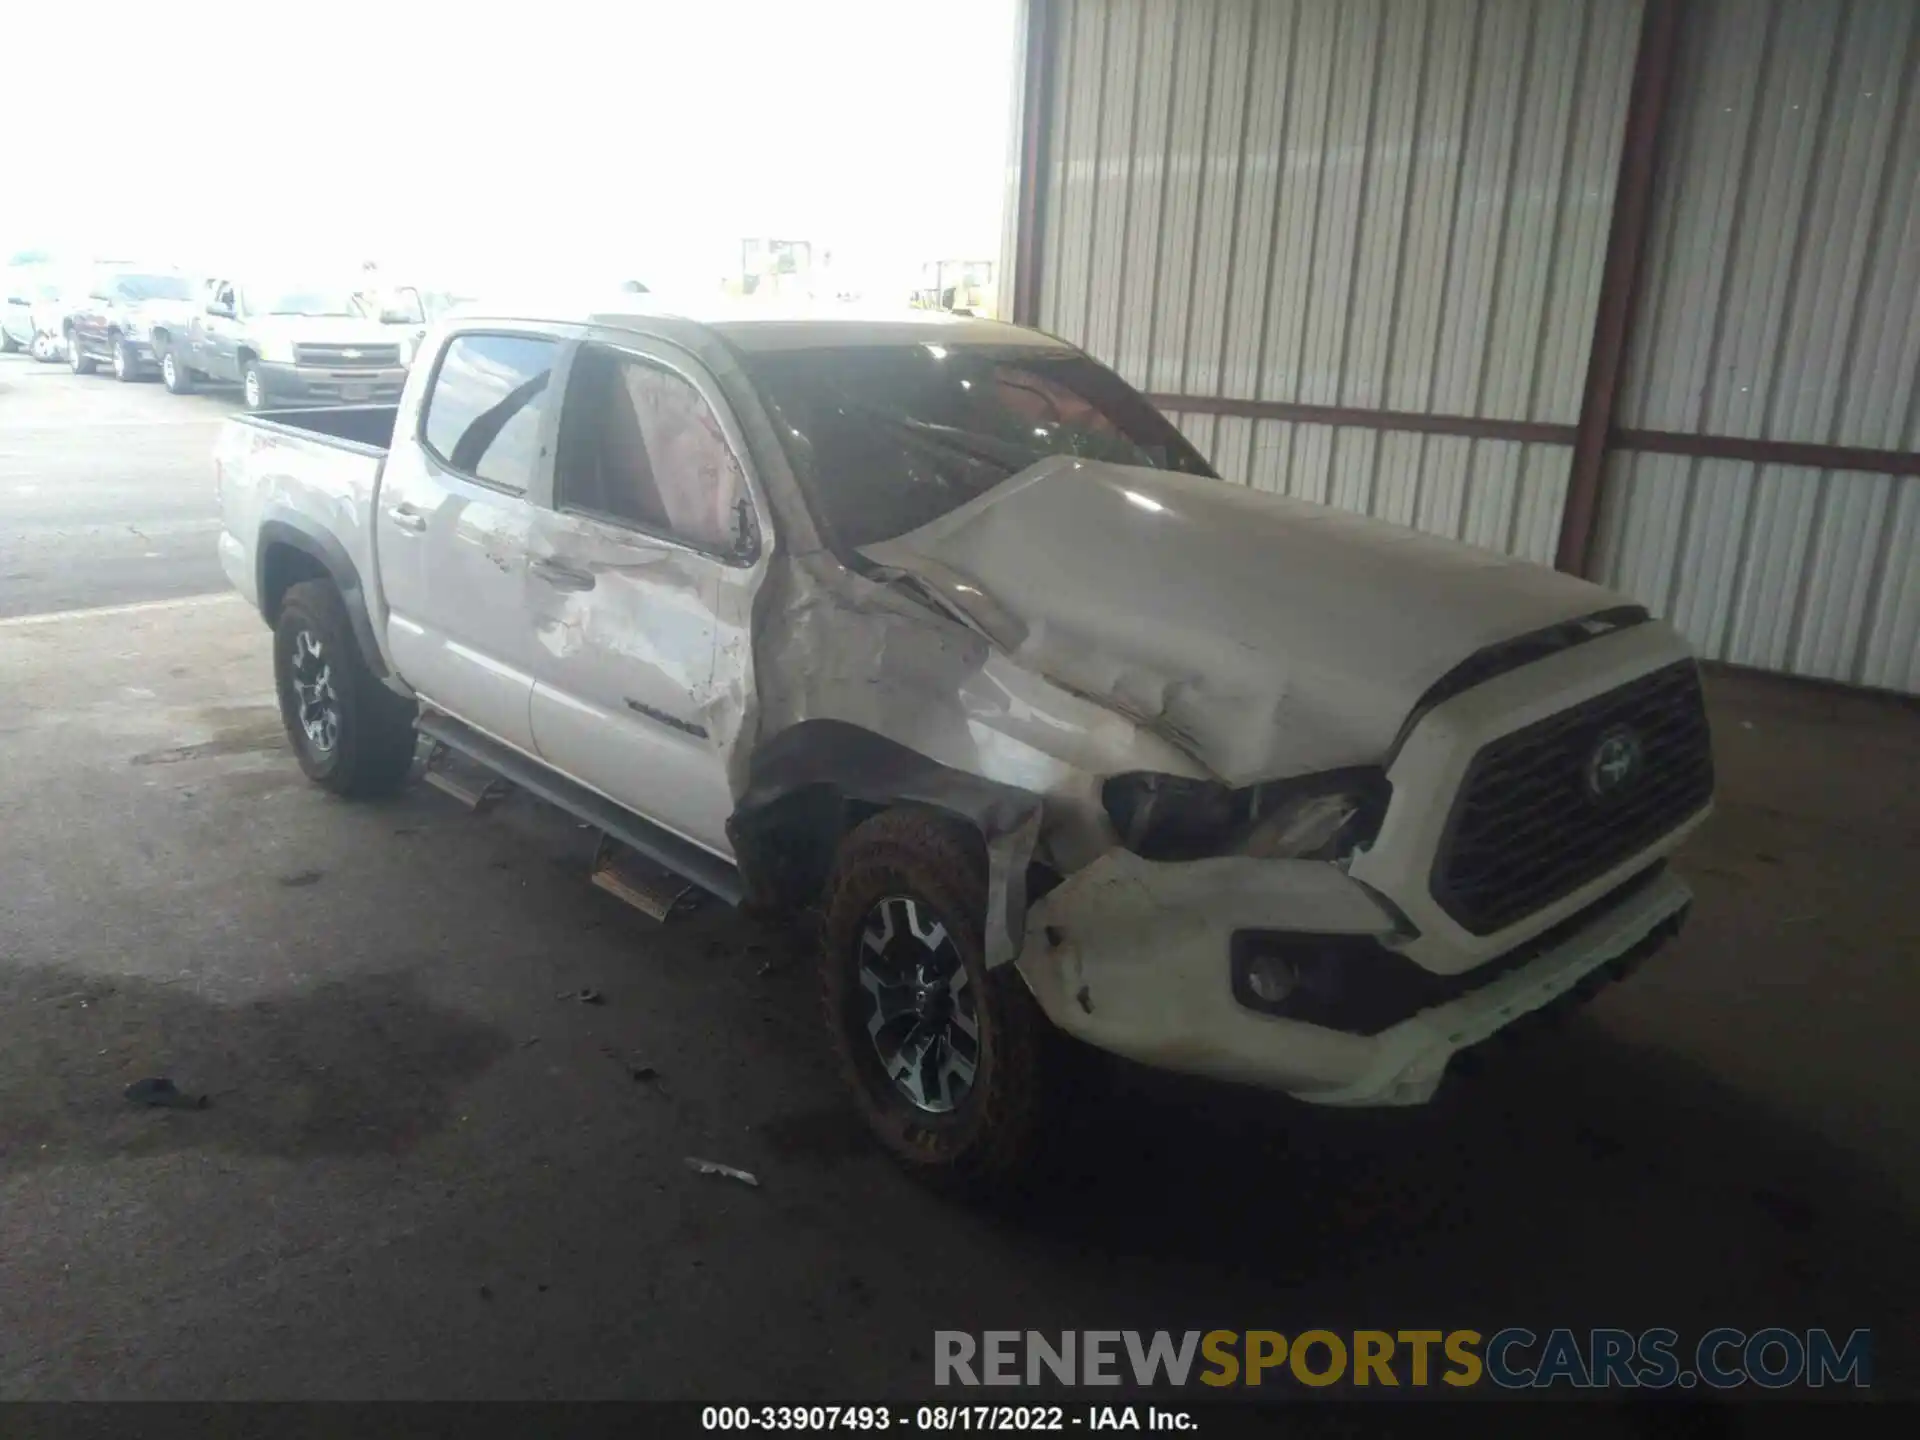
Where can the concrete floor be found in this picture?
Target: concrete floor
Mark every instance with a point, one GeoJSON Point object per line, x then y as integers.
{"type": "Point", "coordinates": [424, 1175]}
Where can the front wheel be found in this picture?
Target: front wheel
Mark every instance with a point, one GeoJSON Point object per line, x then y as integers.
{"type": "Point", "coordinates": [126, 365]}
{"type": "Point", "coordinates": [944, 1059]}
{"type": "Point", "coordinates": [252, 386]}
{"type": "Point", "coordinates": [351, 734]}
{"type": "Point", "coordinates": [77, 359]}
{"type": "Point", "coordinates": [174, 373]}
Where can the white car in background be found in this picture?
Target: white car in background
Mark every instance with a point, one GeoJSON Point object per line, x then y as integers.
{"type": "Point", "coordinates": [36, 311]}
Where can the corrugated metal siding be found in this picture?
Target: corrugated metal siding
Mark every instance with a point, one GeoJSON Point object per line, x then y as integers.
{"type": "Point", "coordinates": [1781, 300]}
{"type": "Point", "coordinates": [1780, 567]}
{"type": "Point", "coordinates": [1781, 295]}
{"type": "Point", "coordinates": [1498, 493]}
{"type": "Point", "coordinates": [1396, 204]}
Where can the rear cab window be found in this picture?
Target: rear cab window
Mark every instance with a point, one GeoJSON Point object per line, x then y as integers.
{"type": "Point", "coordinates": [487, 406]}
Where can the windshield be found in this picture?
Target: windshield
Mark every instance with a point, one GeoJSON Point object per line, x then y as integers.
{"type": "Point", "coordinates": [154, 287]}
{"type": "Point", "coordinates": [888, 438]}
{"type": "Point", "coordinates": [303, 302]}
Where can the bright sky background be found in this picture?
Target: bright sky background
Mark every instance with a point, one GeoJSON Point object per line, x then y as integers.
{"type": "Point", "coordinates": [645, 137]}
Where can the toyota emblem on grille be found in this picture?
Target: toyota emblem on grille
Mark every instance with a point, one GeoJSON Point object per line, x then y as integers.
{"type": "Point", "coordinates": [1614, 761]}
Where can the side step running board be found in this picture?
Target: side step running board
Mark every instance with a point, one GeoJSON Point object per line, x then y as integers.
{"type": "Point", "coordinates": [716, 876]}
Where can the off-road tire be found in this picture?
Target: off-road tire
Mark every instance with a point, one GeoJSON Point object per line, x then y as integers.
{"type": "Point", "coordinates": [988, 1143]}
{"type": "Point", "coordinates": [253, 386]}
{"type": "Point", "coordinates": [375, 742]}
{"type": "Point", "coordinates": [78, 360]}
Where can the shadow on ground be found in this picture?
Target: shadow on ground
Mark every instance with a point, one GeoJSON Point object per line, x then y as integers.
{"type": "Point", "coordinates": [1572, 1180]}
{"type": "Point", "coordinates": [354, 1067]}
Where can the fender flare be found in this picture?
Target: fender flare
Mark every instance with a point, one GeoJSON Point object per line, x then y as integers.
{"type": "Point", "coordinates": [811, 783]}
{"type": "Point", "coordinates": [299, 533]}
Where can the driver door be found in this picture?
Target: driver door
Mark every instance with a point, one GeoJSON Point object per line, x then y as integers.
{"type": "Point", "coordinates": [642, 581]}
{"type": "Point", "coordinates": [215, 338]}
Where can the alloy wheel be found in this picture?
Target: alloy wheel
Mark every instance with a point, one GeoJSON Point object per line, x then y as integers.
{"type": "Point", "coordinates": [921, 1016]}
{"type": "Point", "coordinates": [312, 676]}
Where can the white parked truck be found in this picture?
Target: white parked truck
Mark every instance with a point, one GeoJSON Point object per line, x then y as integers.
{"type": "Point", "coordinates": [936, 625]}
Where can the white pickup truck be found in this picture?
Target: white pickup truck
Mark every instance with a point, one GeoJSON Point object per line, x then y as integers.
{"type": "Point", "coordinates": [936, 625]}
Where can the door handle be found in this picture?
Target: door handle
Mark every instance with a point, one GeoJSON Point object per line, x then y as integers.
{"type": "Point", "coordinates": [561, 576]}
{"type": "Point", "coordinates": [407, 518]}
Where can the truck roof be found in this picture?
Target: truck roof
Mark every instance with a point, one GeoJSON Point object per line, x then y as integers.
{"type": "Point", "coordinates": [759, 326]}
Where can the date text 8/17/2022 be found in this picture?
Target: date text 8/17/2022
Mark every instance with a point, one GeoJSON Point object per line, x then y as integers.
{"type": "Point", "coordinates": [943, 1418]}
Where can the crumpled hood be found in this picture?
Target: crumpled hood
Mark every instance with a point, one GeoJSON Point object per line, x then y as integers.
{"type": "Point", "coordinates": [1268, 636]}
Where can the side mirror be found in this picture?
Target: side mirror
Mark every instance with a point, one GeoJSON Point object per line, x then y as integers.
{"type": "Point", "coordinates": [220, 308]}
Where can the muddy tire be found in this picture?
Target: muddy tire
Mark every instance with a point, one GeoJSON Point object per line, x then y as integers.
{"type": "Point", "coordinates": [905, 905]}
{"type": "Point", "coordinates": [351, 734]}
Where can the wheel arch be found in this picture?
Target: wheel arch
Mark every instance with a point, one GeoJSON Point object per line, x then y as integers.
{"type": "Point", "coordinates": [814, 782]}
{"type": "Point", "coordinates": [290, 552]}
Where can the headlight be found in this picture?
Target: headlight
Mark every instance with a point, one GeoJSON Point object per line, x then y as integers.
{"type": "Point", "coordinates": [275, 350]}
{"type": "Point", "coordinates": [1315, 817]}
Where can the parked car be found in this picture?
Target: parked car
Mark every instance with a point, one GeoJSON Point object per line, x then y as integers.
{"type": "Point", "coordinates": [937, 625]}
{"type": "Point", "coordinates": [288, 344]}
{"type": "Point", "coordinates": [122, 316]}
{"type": "Point", "coordinates": [29, 288]}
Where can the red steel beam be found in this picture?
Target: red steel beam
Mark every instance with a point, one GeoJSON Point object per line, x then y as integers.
{"type": "Point", "coordinates": [1626, 240]}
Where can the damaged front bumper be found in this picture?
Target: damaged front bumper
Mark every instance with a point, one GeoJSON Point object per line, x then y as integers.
{"type": "Point", "coordinates": [1135, 957]}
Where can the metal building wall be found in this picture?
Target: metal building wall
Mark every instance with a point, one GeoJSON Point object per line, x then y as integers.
{"type": "Point", "coordinates": [1347, 207]}
{"type": "Point", "coordinates": [1780, 301]}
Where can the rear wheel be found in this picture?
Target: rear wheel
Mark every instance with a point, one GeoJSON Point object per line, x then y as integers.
{"type": "Point", "coordinates": [351, 734]}
{"type": "Point", "coordinates": [252, 386]}
{"type": "Point", "coordinates": [174, 373]}
{"type": "Point", "coordinates": [944, 1058]}
{"type": "Point", "coordinates": [77, 359]}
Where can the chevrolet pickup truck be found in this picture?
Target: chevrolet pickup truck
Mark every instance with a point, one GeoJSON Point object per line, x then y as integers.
{"type": "Point", "coordinates": [935, 626]}
{"type": "Point", "coordinates": [286, 345]}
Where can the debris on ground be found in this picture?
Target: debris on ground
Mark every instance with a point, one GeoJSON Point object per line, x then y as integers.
{"type": "Point", "coordinates": [161, 1093]}
{"type": "Point", "coordinates": [714, 1167]}
{"type": "Point", "coordinates": [529, 1042]}
{"type": "Point", "coordinates": [300, 879]}
{"type": "Point", "coordinates": [636, 1068]}
{"type": "Point", "coordinates": [585, 995]}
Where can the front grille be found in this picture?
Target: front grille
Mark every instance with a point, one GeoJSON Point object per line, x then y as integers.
{"type": "Point", "coordinates": [1528, 827]}
{"type": "Point", "coordinates": [348, 357]}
